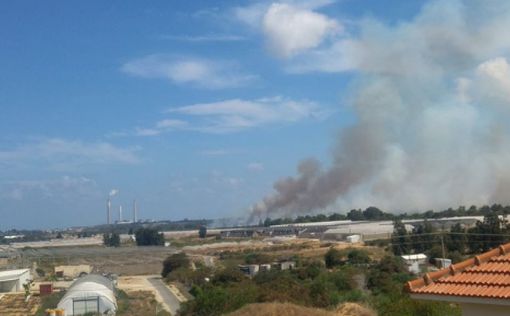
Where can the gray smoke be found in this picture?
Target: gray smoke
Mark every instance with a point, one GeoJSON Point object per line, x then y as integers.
{"type": "Point", "coordinates": [432, 101]}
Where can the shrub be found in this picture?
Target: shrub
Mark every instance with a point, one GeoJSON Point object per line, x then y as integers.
{"type": "Point", "coordinates": [333, 258]}
{"type": "Point", "coordinates": [174, 262]}
{"type": "Point", "coordinates": [358, 256]}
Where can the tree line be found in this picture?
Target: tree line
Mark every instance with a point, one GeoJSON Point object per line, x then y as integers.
{"type": "Point", "coordinates": [373, 213]}
{"type": "Point", "coordinates": [460, 240]}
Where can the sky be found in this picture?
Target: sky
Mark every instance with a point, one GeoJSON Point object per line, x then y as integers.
{"type": "Point", "coordinates": [193, 108]}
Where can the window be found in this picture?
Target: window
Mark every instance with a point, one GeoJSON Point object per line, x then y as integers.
{"type": "Point", "coordinates": [85, 305]}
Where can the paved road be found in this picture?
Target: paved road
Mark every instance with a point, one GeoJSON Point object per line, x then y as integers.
{"type": "Point", "coordinates": [169, 298]}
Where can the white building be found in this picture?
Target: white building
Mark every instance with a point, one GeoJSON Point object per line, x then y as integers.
{"type": "Point", "coordinates": [13, 280]}
{"type": "Point", "coordinates": [89, 294]}
{"type": "Point", "coordinates": [414, 262]}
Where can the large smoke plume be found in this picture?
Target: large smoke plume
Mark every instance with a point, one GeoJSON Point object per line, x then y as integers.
{"type": "Point", "coordinates": [432, 102]}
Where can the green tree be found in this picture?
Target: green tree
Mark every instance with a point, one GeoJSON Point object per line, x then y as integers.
{"type": "Point", "coordinates": [202, 231]}
{"type": "Point", "coordinates": [457, 240]}
{"type": "Point", "coordinates": [421, 237]}
{"type": "Point", "coordinates": [111, 239]}
{"type": "Point", "coordinates": [149, 237]}
{"type": "Point", "coordinates": [373, 214]}
{"type": "Point", "coordinates": [487, 234]}
{"type": "Point", "coordinates": [400, 239]}
{"type": "Point", "coordinates": [355, 215]}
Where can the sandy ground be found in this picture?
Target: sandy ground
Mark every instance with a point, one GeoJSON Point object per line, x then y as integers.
{"type": "Point", "coordinates": [141, 283]}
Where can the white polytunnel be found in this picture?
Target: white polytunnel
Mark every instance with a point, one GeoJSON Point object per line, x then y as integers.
{"type": "Point", "coordinates": [89, 294]}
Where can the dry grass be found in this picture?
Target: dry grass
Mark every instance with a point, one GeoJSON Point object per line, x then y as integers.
{"type": "Point", "coordinates": [139, 303]}
{"type": "Point", "coordinates": [353, 309]}
{"type": "Point", "coordinates": [15, 305]}
{"type": "Point", "coordinates": [287, 309]}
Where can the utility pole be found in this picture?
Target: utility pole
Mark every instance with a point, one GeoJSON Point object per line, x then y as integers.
{"type": "Point", "coordinates": [442, 249]}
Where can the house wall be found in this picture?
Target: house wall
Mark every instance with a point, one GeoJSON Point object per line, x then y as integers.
{"type": "Point", "coordinates": [484, 309]}
{"type": "Point", "coordinates": [15, 285]}
{"type": "Point", "coordinates": [8, 286]}
{"type": "Point", "coordinates": [73, 271]}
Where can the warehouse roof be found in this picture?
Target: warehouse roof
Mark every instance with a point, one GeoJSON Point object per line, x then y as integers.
{"type": "Point", "coordinates": [485, 276]}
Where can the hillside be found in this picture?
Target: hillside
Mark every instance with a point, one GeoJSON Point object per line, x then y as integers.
{"type": "Point", "coordinates": [287, 309]}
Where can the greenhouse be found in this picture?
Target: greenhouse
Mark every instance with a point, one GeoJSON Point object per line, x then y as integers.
{"type": "Point", "coordinates": [89, 294]}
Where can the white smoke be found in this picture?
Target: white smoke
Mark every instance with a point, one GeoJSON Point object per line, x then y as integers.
{"type": "Point", "coordinates": [432, 100]}
{"type": "Point", "coordinates": [113, 192]}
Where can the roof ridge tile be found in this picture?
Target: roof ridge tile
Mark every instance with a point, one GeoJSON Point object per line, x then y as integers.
{"type": "Point", "coordinates": [473, 266]}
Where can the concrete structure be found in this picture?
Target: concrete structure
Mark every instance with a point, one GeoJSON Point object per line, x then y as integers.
{"type": "Point", "coordinates": [368, 230]}
{"type": "Point", "coordinates": [89, 294]}
{"type": "Point", "coordinates": [265, 267]}
{"type": "Point", "coordinates": [414, 262]}
{"type": "Point", "coordinates": [249, 269]}
{"type": "Point", "coordinates": [287, 265]}
{"type": "Point", "coordinates": [72, 272]}
{"type": "Point", "coordinates": [480, 285]}
{"type": "Point", "coordinates": [13, 280]}
{"type": "Point", "coordinates": [442, 263]}
{"type": "Point", "coordinates": [353, 239]}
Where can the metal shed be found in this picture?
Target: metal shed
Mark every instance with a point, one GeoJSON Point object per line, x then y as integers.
{"type": "Point", "coordinates": [89, 294]}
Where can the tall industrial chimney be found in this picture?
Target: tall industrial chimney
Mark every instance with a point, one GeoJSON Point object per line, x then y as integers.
{"type": "Point", "coordinates": [108, 211]}
{"type": "Point", "coordinates": [120, 213]}
{"type": "Point", "coordinates": [135, 210]}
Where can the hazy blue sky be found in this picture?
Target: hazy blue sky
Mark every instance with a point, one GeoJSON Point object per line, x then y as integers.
{"type": "Point", "coordinates": [194, 108]}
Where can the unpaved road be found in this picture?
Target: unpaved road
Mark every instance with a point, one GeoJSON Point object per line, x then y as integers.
{"type": "Point", "coordinates": [169, 298]}
{"type": "Point", "coordinates": [171, 301]}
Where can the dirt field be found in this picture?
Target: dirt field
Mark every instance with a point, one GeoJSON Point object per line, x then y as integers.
{"type": "Point", "coordinates": [131, 284]}
{"type": "Point", "coordinates": [121, 261]}
{"type": "Point", "coordinates": [136, 303]}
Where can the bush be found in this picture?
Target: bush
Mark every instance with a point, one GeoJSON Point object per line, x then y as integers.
{"type": "Point", "coordinates": [333, 258]}
{"type": "Point", "coordinates": [228, 275]}
{"type": "Point", "coordinates": [323, 293]}
{"type": "Point", "coordinates": [257, 258]}
{"type": "Point", "coordinates": [149, 237]}
{"type": "Point", "coordinates": [218, 300]}
{"type": "Point", "coordinates": [310, 271]}
{"type": "Point", "coordinates": [388, 276]}
{"type": "Point", "coordinates": [174, 262]}
{"type": "Point", "coordinates": [358, 256]}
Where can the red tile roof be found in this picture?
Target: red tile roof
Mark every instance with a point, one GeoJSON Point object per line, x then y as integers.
{"type": "Point", "coordinates": [484, 276]}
